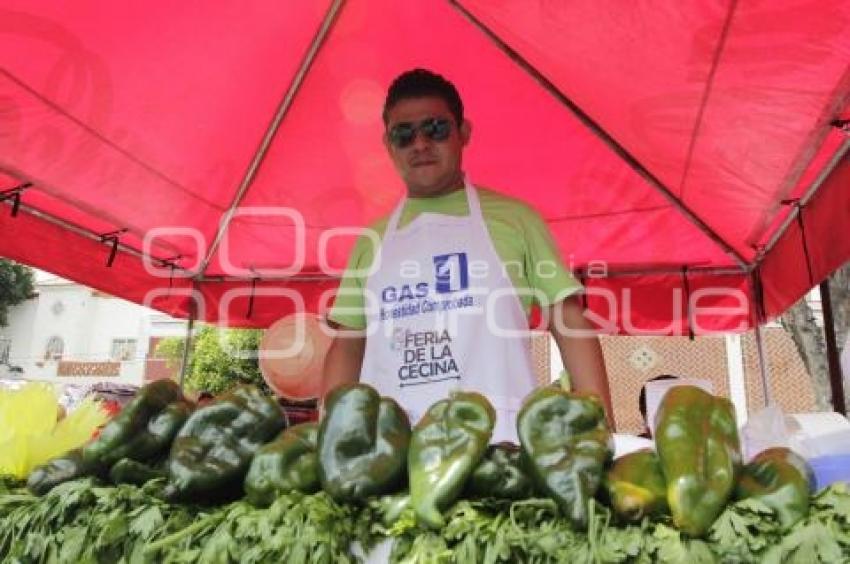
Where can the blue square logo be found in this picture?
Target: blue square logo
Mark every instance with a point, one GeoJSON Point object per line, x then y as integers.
{"type": "Point", "coordinates": [451, 273]}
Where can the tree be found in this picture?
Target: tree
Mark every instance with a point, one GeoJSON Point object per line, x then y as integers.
{"type": "Point", "coordinates": [16, 286]}
{"type": "Point", "coordinates": [800, 323]}
{"type": "Point", "coordinates": [220, 358]}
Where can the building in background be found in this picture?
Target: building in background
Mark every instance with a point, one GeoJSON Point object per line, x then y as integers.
{"type": "Point", "coordinates": [70, 333]}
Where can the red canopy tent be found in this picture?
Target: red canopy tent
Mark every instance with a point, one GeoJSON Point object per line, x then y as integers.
{"type": "Point", "coordinates": [201, 157]}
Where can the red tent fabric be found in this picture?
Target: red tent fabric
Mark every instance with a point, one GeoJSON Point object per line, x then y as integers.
{"type": "Point", "coordinates": [218, 148]}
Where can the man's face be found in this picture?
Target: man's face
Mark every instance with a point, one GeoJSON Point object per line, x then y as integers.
{"type": "Point", "coordinates": [428, 167]}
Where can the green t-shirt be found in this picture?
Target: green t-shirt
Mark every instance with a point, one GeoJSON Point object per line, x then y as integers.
{"type": "Point", "coordinates": [519, 234]}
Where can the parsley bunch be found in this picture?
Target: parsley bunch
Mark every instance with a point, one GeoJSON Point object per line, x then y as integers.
{"type": "Point", "coordinates": [532, 531]}
{"type": "Point", "coordinates": [81, 521]}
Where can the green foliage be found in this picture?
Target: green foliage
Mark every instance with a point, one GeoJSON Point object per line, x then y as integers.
{"type": "Point", "coordinates": [220, 358]}
{"type": "Point", "coordinates": [534, 531]}
{"type": "Point", "coordinates": [81, 521]}
{"type": "Point", "coordinates": [16, 286]}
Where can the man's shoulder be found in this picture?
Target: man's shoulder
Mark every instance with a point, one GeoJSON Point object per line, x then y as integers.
{"type": "Point", "coordinates": [502, 206]}
{"type": "Point", "coordinates": [370, 236]}
{"type": "Point", "coordinates": [374, 229]}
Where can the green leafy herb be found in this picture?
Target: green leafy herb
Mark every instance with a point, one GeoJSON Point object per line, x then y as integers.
{"type": "Point", "coordinates": [81, 521]}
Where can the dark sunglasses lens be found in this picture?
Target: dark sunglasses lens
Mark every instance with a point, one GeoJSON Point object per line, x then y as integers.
{"type": "Point", "coordinates": [437, 129]}
{"type": "Point", "coordinates": [402, 135]}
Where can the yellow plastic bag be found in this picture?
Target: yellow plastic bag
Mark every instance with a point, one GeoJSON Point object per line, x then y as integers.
{"type": "Point", "coordinates": [30, 434]}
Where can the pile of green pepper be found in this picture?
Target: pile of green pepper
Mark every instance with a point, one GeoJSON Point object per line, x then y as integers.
{"type": "Point", "coordinates": [567, 442]}
{"type": "Point", "coordinates": [362, 444]}
{"type": "Point", "coordinates": [448, 443]}
{"type": "Point", "coordinates": [780, 479]}
{"type": "Point", "coordinates": [213, 451]}
{"type": "Point", "coordinates": [289, 463]}
{"type": "Point", "coordinates": [636, 488]}
{"type": "Point", "coordinates": [365, 448]}
{"type": "Point", "coordinates": [697, 440]}
{"type": "Point", "coordinates": [139, 436]}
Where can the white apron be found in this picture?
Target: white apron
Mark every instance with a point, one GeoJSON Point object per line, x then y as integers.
{"type": "Point", "coordinates": [444, 315]}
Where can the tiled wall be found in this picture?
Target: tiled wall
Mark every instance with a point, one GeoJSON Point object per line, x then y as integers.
{"type": "Point", "coordinates": [633, 360]}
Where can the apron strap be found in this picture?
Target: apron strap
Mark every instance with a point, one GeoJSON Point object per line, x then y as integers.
{"type": "Point", "coordinates": [473, 201]}
{"type": "Point", "coordinates": [392, 222]}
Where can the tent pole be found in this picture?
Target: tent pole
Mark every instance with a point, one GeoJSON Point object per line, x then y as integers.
{"type": "Point", "coordinates": [612, 271]}
{"type": "Point", "coordinates": [737, 378]}
{"type": "Point", "coordinates": [187, 345]}
{"type": "Point", "coordinates": [764, 369]}
{"type": "Point", "coordinates": [836, 381]}
{"type": "Point", "coordinates": [757, 292]}
{"type": "Point", "coordinates": [88, 234]}
{"type": "Point", "coordinates": [805, 199]}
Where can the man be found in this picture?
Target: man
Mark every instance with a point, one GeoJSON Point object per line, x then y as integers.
{"type": "Point", "coordinates": [453, 278]}
{"type": "Point", "coordinates": [647, 425]}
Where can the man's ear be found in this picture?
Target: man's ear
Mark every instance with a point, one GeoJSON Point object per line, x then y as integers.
{"type": "Point", "coordinates": [465, 131]}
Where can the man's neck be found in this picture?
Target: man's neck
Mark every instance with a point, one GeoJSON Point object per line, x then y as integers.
{"type": "Point", "coordinates": [457, 184]}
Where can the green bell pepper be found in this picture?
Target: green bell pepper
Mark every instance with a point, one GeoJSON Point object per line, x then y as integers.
{"type": "Point", "coordinates": [128, 471]}
{"type": "Point", "coordinates": [697, 441]}
{"type": "Point", "coordinates": [566, 440]}
{"type": "Point", "coordinates": [780, 479]}
{"type": "Point", "coordinates": [447, 445]}
{"type": "Point", "coordinates": [501, 474]}
{"type": "Point", "coordinates": [143, 429]}
{"type": "Point", "coordinates": [363, 442]}
{"type": "Point", "coordinates": [65, 468]}
{"type": "Point", "coordinates": [213, 450]}
{"type": "Point", "coordinates": [636, 488]}
{"type": "Point", "coordinates": [288, 463]}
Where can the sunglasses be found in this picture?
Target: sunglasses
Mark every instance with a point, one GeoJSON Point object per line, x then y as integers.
{"type": "Point", "coordinates": [403, 134]}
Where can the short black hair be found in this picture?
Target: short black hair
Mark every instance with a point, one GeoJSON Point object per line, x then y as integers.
{"type": "Point", "coordinates": [642, 396]}
{"type": "Point", "coordinates": [422, 83]}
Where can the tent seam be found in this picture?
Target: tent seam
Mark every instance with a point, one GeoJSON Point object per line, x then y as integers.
{"type": "Point", "coordinates": [108, 142]}
{"type": "Point", "coordinates": [839, 98]}
{"type": "Point", "coordinates": [606, 214]}
{"type": "Point", "coordinates": [271, 132]}
{"type": "Point", "coordinates": [605, 137]}
{"type": "Point", "coordinates": [715, 63]}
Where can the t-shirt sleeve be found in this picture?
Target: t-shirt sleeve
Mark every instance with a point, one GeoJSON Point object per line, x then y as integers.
{"type": "Point", "coordinates": [349, 306]}
{"type": "Point", "coordinates": [545, 269]}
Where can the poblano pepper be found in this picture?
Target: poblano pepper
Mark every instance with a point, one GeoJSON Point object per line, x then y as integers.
{"type": "Point", "coordinates": [143, 429]}
{"type": "Point", "coordinates": [447, 445]}
{"type": "Point", "coordinates": [697, 441]}
{"type": "Point", "coordinates": [635, 486]}
{"type": "Point", "coordinates": [780, 479]}
{"type": "Point", "coordinates": [213, 450]}
{"type": "Point", "coordinates": [566, 439]}
{"type": "Point", "coordinates": [363, 442]}
{"type": "Point", "coordinates": [501, 474]}
{"type": "Point", "coordinates": [67, 467]}
{"type": "Point", "coordinates": [128, 471]}
{"type": "Point", "coordinates": [288, 463]}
